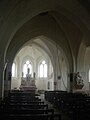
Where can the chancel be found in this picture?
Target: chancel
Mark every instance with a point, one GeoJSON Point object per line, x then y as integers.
{"type": "Point", "coordinates": [45, 59]}
{"type": "Point", "coordinates": [28, 83]}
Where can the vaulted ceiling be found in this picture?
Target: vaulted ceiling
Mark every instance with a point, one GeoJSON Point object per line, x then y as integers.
{"type": "Point", "coordinates": [66, 23]}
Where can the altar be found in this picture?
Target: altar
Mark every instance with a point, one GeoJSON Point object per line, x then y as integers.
{"type": "Point", "coordinates": [28, 83]}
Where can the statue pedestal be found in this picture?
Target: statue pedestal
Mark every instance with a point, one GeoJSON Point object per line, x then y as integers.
{"type": "Point", "coordinates": [28, 84]}
{"type": "Point", "coordinates": [79, 86]}
{"type": "Point", "coordinates": [28, 88]}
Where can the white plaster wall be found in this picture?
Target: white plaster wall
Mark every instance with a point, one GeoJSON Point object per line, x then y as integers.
{"type": "Point", "coordinates": [83, 64]}
{"type": "Point", "coordinates": [15, 13]}
{"type": "Point", "coordinates": [15, 83]}
{"type": "Point", "coordinates": [62, 82]}
{"type": "Point", "coordinates": [32, 54]}
{"type": "Point", "coordinates": [42, 84]}
{"type": "Point", "coordinates": [87, 67]}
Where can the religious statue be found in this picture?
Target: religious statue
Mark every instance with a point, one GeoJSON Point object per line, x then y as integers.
{"type": "Point", "coordinates": [34, 74]}
{"type": "Point", "coordinates": [78, 81]}
{"type": "Point", "coordinates": [28, 71]}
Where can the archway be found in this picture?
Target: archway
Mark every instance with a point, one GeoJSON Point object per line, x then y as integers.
{"type": "Point", "coordinates": [36, 50]}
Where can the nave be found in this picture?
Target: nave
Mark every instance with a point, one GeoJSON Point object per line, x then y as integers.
{"type": "Point", "coordinates": [26, 105]}
{"type": "Point", "coordinates": [71, 106]}
{"type": "Point", "coordinates": [52, 105]}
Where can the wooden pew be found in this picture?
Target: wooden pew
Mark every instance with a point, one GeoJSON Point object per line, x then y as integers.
{"type": "Point", "coordinates": [22, 105]}
{"type": "Point", "coordinates": [35, 117]}
{"type": "Point", "coordinates": [26, 102]}
{"type": "Point", "coordinates": [29, 111]}
{"type": "Point", "coordinates": [27, 106]}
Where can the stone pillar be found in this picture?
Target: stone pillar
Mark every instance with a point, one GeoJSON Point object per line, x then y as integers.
{"type": "Point", "coordinates": [1, 81]}
{"type": "Point", "coordinates": [71, 81]}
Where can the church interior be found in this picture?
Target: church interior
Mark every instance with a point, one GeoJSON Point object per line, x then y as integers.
{"type": "Point", "coordinates": [45, 59]}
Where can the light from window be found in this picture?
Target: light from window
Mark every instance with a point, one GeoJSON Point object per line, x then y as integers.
{"type": "Point", "coordinates": [24, 70]}
{"type": "Point", "coordinates": [43, 69]}
{"type": "Point", "coordinates": [89, 75]}
{"type": "Point", "coordinates": [13, 70]}
{"type": "Point", "coordinates": [27, 62]}
{"type": "Point", "coordinates": [27, 68]}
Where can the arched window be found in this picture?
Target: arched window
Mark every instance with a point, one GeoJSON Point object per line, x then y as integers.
{"type": "Point", "coordinates": [27, 68]}
{"type": "Point", "coordinates": [89, 75]}
{"type": "Point", "coordinates": [43, 69]}
{"type": "Point", "coordinates": [13, 69]}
